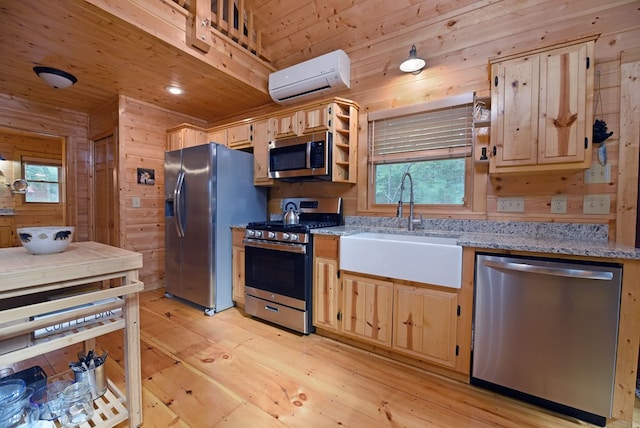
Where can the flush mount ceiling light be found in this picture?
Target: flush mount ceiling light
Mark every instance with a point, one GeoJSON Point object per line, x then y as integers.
{"type": "Point", "coordinates": [174, 90]}
{"type": "Point", "coordinates": [413, 64]}
{"type": "Point", "coordinates": [55, 78]}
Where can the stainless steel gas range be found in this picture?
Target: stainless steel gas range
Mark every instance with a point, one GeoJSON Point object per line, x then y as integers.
{"type": "Point", "coordinates": [279, 262]}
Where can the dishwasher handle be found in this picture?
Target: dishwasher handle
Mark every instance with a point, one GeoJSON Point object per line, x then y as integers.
{"type": "Point", "coordinates": [545, 270]}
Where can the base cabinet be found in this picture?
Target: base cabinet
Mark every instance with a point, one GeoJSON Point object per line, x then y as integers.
{"type": "Point", "coordinates": [325, 293]}
{"type": "Point", "coordinates": [425, 323]}
{"type": "Point", "coordinates": [367, 309]}
{"type": "Point", "coordinates": [419, 321]}
{"type": "Point", "coordinates": [6, 232]}
{"type": "Point", "coordinates": [237, 268]}
{"type": "Point", "coordinates": [326, 284]}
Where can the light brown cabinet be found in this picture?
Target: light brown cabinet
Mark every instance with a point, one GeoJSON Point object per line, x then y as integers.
{"type": "Point", "coordinates": [237, 269]}
{"type": "Point", "coordinates": [262, 135]}
{"type": "Point", "coordinates": [305, 121]}
{"type": "Point", "coordinates": [338, 116]}
{"type": "Point", "coordinates": [425, 323]}
{"type": "Point", "coordinates": [367, 312]}
{"type": "Point", "coordinates": [419, 321]}
{"type": "Point", "coordinates": [7, 238]}
{"type": "Point", "coordinates": [240, 136]}
{"type": "Point", "coordinates": [326, 284]}
{"type": "Point", "coordinates": [542, 109]}
{"type": "Point", "coordinates": [184, 136]}
{"type": "Point", "coordinates": [287, 125]}
{"type": "Point", "coordinates": [217, 136]}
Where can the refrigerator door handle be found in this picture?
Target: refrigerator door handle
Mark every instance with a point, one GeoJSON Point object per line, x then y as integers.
{"type": "Point", "coordinates": [177, 198]}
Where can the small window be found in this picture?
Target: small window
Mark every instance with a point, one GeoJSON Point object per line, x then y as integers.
{"type": "Point", "coordinates": [432, 142]}
{"type": "Point", "coordinates": [43, 177]}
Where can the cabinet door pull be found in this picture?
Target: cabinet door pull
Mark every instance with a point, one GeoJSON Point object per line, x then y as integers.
{"type": "Point", "coordinates": [494, 150]}
{"type": "Point", "coordinates": [495, 81]}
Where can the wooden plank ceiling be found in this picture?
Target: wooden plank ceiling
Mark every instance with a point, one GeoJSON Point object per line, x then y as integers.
{"type": "Point", "coordinates": [101, 43]}
{"type": "Point", "coordinates": [110, 56]}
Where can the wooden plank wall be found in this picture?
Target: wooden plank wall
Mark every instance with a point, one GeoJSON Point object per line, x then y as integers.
{"type": "Point", "coordinates": [18, 116]}
{"type": "Point", "coordinates": [142, 133]}
{"type": "Point", "coordinates": [457, 49]}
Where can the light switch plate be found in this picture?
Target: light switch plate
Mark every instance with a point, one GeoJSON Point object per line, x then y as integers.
{"type": "Point", "coordinates": [135, 202]}
{"type": "Point", "coordinates": [596, 204]}
{"type": "Point", "coordinates": [511, 205]}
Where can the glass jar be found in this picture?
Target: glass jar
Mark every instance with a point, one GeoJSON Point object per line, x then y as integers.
{"type": "Point", "coordinates": [15, 409]}
{"type": "Point", "coordinates": [77, 404]}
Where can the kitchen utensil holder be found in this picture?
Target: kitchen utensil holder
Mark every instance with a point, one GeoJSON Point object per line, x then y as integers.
{"type": "Point", "coordinates": [96, 379]}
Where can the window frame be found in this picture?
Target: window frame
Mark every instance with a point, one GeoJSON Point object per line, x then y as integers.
{"type": "Point", "coordinates": [444, 209]}
{"type": "Point", "coordinates": [45, 161]}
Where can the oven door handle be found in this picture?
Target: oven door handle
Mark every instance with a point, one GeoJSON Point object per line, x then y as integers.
{"type": "Point", "coordinates": [278, 246]}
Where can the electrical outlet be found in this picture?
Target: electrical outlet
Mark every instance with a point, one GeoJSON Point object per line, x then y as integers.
{"type": "Point", "coordinates": [135, 202]}
{"type": "Point", "coordinates": [598, 174]}
{"type": "Point", "coordinates": [511, 205]}
{"type": "Point", "coordinates": [596, 204]}
{"type": "Point", "coordinates": [559, 204]}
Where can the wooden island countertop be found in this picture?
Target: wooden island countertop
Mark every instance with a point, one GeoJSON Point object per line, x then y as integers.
{"type": "Point", "coordinates": [20, 270]}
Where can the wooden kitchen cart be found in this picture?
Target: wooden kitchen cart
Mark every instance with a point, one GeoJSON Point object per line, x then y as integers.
{"type": "Point", "coordinates": [90, 265]}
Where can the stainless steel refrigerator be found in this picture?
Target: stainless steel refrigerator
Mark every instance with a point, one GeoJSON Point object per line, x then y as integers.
{"type": "Point", "coordinates": [207, 189]}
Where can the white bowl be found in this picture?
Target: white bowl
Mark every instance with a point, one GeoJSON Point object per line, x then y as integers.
{"type": "Point", "coordinates": [46, 240]}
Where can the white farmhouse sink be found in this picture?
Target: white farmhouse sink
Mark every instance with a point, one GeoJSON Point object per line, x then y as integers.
{"type": "Point", "coordinates": [428, 259]}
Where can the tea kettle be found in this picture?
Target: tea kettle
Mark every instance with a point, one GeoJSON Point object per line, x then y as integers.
{"type": "Point", "coordinates": [291, 216]}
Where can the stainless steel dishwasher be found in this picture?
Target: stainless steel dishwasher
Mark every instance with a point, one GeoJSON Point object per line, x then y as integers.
{"type": "Point", "coordinates": [546, 330]}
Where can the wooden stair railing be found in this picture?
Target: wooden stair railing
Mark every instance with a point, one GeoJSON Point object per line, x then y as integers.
{"type": "Point", "coordinates": [230, 19]}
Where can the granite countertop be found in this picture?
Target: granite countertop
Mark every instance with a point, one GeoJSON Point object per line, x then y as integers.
{"type": "Point", "coordinates": [6, 211]}
{"type": "Point", "coordinates": [553, 238]}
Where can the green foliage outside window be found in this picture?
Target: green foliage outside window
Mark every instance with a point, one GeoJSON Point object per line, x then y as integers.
{"type": "Point", "coordinates": [44, 184]}
{"type": "Point", "coordinates": [434, 181]}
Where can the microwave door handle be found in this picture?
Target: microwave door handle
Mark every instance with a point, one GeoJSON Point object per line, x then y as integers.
{"type": "Point", "coordinates": [544, 270]}
{"type": "Point", "coordinates": [308, 157]}
{"type": "Point", "coordinates": [177, 197]}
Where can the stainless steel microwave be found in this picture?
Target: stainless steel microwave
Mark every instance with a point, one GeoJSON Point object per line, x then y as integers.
{"type": "Point", "coordinates": [303, 158]}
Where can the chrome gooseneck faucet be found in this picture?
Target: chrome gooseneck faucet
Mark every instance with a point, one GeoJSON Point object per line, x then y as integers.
{"type": "Point", "coordinates": [411, 220]}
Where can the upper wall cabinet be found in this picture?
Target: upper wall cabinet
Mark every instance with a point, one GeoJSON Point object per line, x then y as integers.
{"type": "Point", "coordinates": [338, 116]}
{"type": "Point", "coordinates": [185, 135]}
{"type": "Point", "coordinates": [240, 136]}
{"type": "Point", "coordinates": [542, 109]}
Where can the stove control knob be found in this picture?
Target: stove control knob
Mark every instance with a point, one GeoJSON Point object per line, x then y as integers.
{"type": "Point", "coordinates": [251, 233]}
{"type": "Point", "coordinates": [271, 235]}
{"type": "Point", "coordinates": [285, 236]}
{"type": "Point", "coordinates": [258, 233]}
{"type": "Point", "coordinates": [294, 237]}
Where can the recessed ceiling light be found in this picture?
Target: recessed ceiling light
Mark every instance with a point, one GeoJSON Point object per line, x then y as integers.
{"type": "Point", "coordinates": [174, 90]}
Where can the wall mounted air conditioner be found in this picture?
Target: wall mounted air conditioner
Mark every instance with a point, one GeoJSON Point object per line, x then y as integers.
{"type": "Point", "coordinates": [319, 75]}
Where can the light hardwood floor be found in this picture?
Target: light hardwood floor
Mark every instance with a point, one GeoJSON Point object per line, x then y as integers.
{"type": "Point", "coordinates": [233, 371]}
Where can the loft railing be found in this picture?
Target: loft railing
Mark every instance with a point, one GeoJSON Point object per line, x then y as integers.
{"type": "Point", "coordinates": [228, 18]}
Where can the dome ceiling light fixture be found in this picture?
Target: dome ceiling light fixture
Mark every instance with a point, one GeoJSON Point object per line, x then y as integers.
{"type": "Point", "coordinates": [413, 64]}
{"type": "Point", "coordinates": [56, 78]}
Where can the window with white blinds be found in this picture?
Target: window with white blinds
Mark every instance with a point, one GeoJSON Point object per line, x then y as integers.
{"type": "Point", "coordinates": [441, 133]}
{"type": "Point", "coordinates": [432, 141]}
